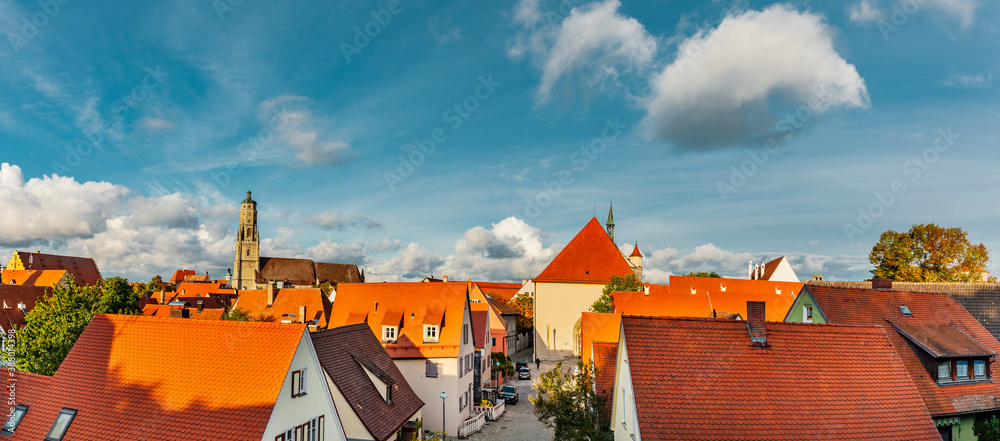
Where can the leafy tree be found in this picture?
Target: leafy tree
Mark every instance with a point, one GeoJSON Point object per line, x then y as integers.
{"type": "Point", "coordinates": [712, 274]}
{"type": "Point", "coordinates": [618, 283]}
{"type": "Point", "coordinates": [237, 314]}
{"type": "Point", "coordinates": [501, 363]}
{"type": "Point", "coordinates": [567, 402]}
{"type": "Point", "coordinates": [60, 316]}
{"type": "Point", "coordinates": [986, 428]}
{"type": "Point", "coordinates": [326, 288]}
{"type": "Point", "coordinates": [264, 318]}
{"type": "Point", "coordinates": [929, 253]}
{"type": "Point", "coordinates": [525, 306]}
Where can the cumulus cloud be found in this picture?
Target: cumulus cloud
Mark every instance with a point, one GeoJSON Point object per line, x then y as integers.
{"type": "Point", "coordinates": [414, 262]}
{"type": "Point", "coordinates": [53, 207]}
{"type": "Point", "coordinates": [300, 130]}
{"type": "Point", "coordinates": [726, 82]}
{"type": "Point", "coordinates": [510, 250]}
{"type": "Point", "coordinates": [864, 12]}
{"type": "Point", "coordinates": [595, 42]}
{"type": "Point", "coordinates": [328, 251]}
{"type": "Point", "coordinates": [172, 211]}
{"type": "Point", "coordinates": [384, 245]}
{"type": "Point", "coordinates": [334, 220]}
{"type": "Point", "coordinates": [969, 81]}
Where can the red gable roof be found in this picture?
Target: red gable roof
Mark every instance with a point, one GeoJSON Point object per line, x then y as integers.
{"type": "Point", "coordinates": [180, 275]}
{"type": "Point", "coordinates": [83, 269]}
{"type": "Point", "coordinates": [503, 290]}
{"type": "Point", "coordinates": [201, 383]}
{"type": "Point", "coordinates": [828, 382]}
{"type": "Point", "coordinates": [417, 304]}
{"type": "Point", "coordinates": [12, 295]}
{"type": "Point", "coordinates": [605, 358]}
{"type": "Point", "coordinates": [591, 257]}
{"type": "Point", "coordinates": [480, 324]}
{"type": "Point", "coordinates": [345, 353]}
{"type": "Point", "coordinates": [938, 324]}
{"type": "Point", "coordinates": [287, 302]}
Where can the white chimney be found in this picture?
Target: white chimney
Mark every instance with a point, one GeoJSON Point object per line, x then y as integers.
{"type": "Point", "coordinates": [445, 278]}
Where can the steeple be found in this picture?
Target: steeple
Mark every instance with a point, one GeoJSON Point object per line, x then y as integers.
{"type": "Point", "coordinates": [247, 261]}
{"type": "Point", "coordinates": [611, 222]}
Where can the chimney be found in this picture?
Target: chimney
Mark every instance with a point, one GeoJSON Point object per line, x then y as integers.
{"type": "Point", "coordinates": [180, 313]}
{"type": "Point", "coordinates": [302, 313]}
{"type": "Point", "coordinates": [201, 305]}
{"type": "Point", "coordinates": [757, 324]}
{"type": "Point", "coordinates": [881, 283]}
{"type": "Point", "coordinates": [270, 294]}
{"type": "Point", "coordinates": [163, 297]}
{"type": "Point", "coordinates": [444, 278]}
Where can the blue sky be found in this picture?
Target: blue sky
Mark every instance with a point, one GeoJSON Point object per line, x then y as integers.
{"type": "Point", "coordinates": [722, 131]}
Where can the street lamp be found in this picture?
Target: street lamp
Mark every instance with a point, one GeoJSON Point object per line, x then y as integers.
{"type": "Point", "coordinates": [444, 431]}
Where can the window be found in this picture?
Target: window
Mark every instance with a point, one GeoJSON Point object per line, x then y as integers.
{"type": "Point", "coordinates": [388, 333]}
{"type": "Point", "coordinates": [461, 366]}
{"type": "Point", "coordinates": [61, 425]}
{"type": "Point", "coordinates": [979, 368]}
{"type": "Point", "coordinates": [298, 383]}
{"type": "Point", "coordinates": [312, 430]}
{"type": "Point", "coordinates": [807, 313]}
{"type": "Point", "coordinates": [388, 394]}
{"type": "Point", "coordinates": [430, 333]}
{"type": "Point", "coordinates": [494, 341]}
{"type": "Point", "coordinates": [432, 370]}
{"type": "Point", "coordinates": [962, 369]}
{"type": "Point", "coordinates": [944, 371]}
{"type": "Point", "coordinates": [14, 420]}
{"type": "Point", "coordinates": [465, 334]}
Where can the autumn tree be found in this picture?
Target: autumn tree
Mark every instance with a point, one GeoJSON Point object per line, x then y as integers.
{"type": "Point", "coordinates": [525, 307]}
{"type": "Point", "coordinates": [713, 274]}
{"type": "Point", "coordinates": [568, 403]}
{"type": "Point", "coordinates": [617, 283]}
{"type": "Point", "coordinates": [929, 253]}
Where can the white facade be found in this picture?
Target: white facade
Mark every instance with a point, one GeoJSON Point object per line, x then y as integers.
{"type": "Point", "coordinates": [315, 406]}
{"type": "Point", "coordinates": [624, 420]}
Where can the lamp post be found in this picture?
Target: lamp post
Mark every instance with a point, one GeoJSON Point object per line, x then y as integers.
{"type": "Point", "coordinates": [444, 431]}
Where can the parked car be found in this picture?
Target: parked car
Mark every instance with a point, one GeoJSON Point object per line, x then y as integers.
{"type": "Point", "coordinates": [520, 365]}
{"type": "Point", "coordinates": [523, 373]}
{"type": "Point", "coordinates": [509, 393]}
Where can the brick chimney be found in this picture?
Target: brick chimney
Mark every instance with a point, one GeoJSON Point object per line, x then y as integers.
{"type": "Point", "coordinates": [757, 324]}
{"type": "Point", "coordinates": [302, 314]}
{"type": "Point", "coordinates": [201, 305]}
{"type": "Point", "coordinates": [881, 283]}
{"type": "Point", "coordinates": [163, 297]}
{"type": "Point", "coordinates": [271, 293]}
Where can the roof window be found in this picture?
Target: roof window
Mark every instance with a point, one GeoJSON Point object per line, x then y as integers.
{"type": "Point", "coordinates": [906, 311]}
{"type": "Point", "coordinates": [61, 425]}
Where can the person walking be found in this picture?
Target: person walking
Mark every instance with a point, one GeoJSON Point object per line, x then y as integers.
{"type": "Point", "coordinates": [538, 364]}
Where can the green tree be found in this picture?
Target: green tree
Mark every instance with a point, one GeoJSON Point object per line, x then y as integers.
{"type": "Point", "coordinates": [525, 306]}
{"type": "Point", "coordinates": [501, 363]}
{"type": "Point", "coordinates": [326, 288]}
{"type": "Point", "coordinates": [929, 253]}
{"type": "Point", "coordinates": [237, 314]}
{"type": "Point", "coordinates": [567, 403]}
{"type": "Point", "coordinates": [712, 274]}
{"type": "Point", "coordinates": [618, 283]}
{"type": "Point", "coordinates": [117, 297]}
{"type": "Point", "coordinates": [986, 428]}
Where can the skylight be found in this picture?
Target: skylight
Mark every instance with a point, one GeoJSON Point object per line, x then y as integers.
{"type": "Point", "coordinates": [905, 310]}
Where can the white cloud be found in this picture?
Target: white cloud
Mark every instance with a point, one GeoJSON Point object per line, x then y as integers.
{"type": "Point", "coordinates": [154, 124]}
{"type": "Point", "coordinates": [300, 131]}
{"type": "Point", "coordinates": [864, 12]}
{"type": "Point", "coordinates": [414, 262]}
{"type": "Point", "coordinates": [510, 250]}
{"type": "Point", "coordinates": [725, 82]}
{"type": "Point", "coordinates": [385, 244]}
{"type": "Point", "coordinates": [963, 10]}
{"type": "Point", "coordinates": [979, 81]}
{"type": "Point", "coordinates": [327, 251]}
{"type": "Point", "coordinates": [594, 41]}
{"type": "Point", "coordinates": [334, 220]}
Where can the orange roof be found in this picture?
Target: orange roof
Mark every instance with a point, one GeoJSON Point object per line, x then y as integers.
{"type": "Point", "coordinates": [596, 326]}
{"type": "Point", "coordinates": [201, 383]}
{"type": "Point", "coordinates": [662, 301]}
{"type": "Point", "coordinates": [47, 278]}
{"type": "Point", "coordinates": [191, 289]}
{"type": "Point", "coordinates": [605, 358]}
{"type": "Point", "coordinates": [287, 301]}
{"type": "Point", "coordinates": [591, 257]}
{"type": "Point", "coordinates": [180, 275]}
{"type": "Point", "coordinates": [636, 252]}
{"type": "Point", "coordinates": [502, 290]}
{"type": "Point", "coordinates": [701, 379]}
{"type": "Point", "coordinates": [164, 311]}
{"type": "Point", "coordinates": [930, 314]}
{"type": "Point", "coordinates": [444, 303]}
{"type": "Point", "coordinates": [83, 269]}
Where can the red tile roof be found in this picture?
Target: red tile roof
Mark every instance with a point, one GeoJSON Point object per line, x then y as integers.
{"type": "Point", "coordinates": [345, 353]}
{"type": "Point", "coordinates": [209, 380]}
{"type": "Point", "coordinates": [605, 357]}
{"type": "Point", "coordinates": [191, 289]}
{"type": "Point", "coordinates": [480, 324]}
{"type": "Point", "coordinates": [700, 379]}
{"type": "Point", "coordinates": [506, 291]}
{"type": "Point", "coordinates": [636, 252]}
{"type": "Point", "coordinates": [11, 318]}
{"type": "Point", "coordinates": [83, 269]}
{"type": "Point", "coordinates": [179, 275]}
{"type": "Point", "coordinates": [700, 296]}
{"type": "Point", "coordinates": [442, 304]}
{"type": "Point", "coordinates": [591, 257]}
{"type": "Point", "coordinates": [12, 295]}
{"type": "Point", "coordinates": [305, 272]}
{"type": "Point", "coordinates": [47, 278]}
{"type": "Point", "coordinates": [662, 301]}
{"type": "Point", "coordinates": [152, 310]}
{"type": "Point", "coordinates": [287, 301]}
{"type": "Point", "coordinates": [932, 315]}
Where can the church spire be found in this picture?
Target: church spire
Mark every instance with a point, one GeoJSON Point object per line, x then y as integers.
{"type": "Point", "coordinates": [611, 222]}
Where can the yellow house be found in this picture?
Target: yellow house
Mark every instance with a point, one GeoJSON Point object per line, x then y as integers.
{"type": "Point", "coordinates": [570, 285]}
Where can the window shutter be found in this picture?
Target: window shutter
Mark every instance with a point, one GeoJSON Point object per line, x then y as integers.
{"type": "Point", "coordinates": [302, 382]}
{"type": "Point", "coordinates": [295, 384]}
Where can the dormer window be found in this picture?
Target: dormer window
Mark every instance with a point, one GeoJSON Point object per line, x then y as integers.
{"type": "Point", "coordinates": [430, 333]}
{"type": "Point", "coordinates": [905, 310]}
{"type": "Point", "coordinates": [388, 333]}
{"type": "Point", "coordinates": [61, 425]}
{"type": "Point", "coordinates": [961, 371]}
{"type": "Point", "coordinates": [807, 313]}
{"type": "Point", "coordinates": [15, 418]}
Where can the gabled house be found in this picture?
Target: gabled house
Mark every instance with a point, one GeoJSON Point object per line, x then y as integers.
{"type": "Point", "coordinates": [716, 379]}
{"type": "Point", "coordinates": [502, 320]}
{"type": "Point", "coordinates": [289, 305]}
{"type": "Point", "coordinates": [427, 330]}
{"type": "Point", "coordinates": [569, 285]}
{"type": "Point", "coordinates": [777, 270]}
{"type": "Point", "coordinates": [947, 353]}
{"type": "Point", "coordinates": [44, 278]}
{"type": "Point", "coordinates": [373, 399]}
{"type": "Point", "coordinates": [82, 269]}
{"type": "Point", "coordinates": [209, 380]}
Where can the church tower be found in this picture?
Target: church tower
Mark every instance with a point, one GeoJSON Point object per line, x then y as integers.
{"type": "Point", "coordinates": [611, 222]}
{"type": "Point", "coordinates": [247, 261]}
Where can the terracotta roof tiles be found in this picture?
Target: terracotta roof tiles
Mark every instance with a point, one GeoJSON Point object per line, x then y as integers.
{"type": "Point", "coordinates": [287, 302]}
{"type": "Point", "coordinates": [46, 278]}
{"type": "Point", "coordinates": [83, 269]}
{"type": "Point", "coordinates": [591, 257]}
